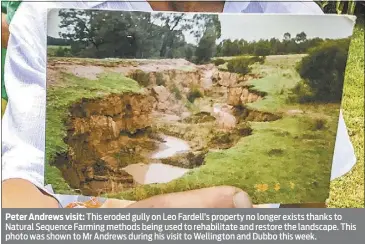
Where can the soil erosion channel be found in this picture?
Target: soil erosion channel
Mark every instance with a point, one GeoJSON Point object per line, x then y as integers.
{"type": "Point", "coordinates": [183, 111]}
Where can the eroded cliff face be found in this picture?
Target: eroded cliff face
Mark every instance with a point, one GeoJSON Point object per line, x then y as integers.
{"type": "Point", "coordinates": [104, 135]}
{"type": "Point", "coordinates": [168, 87]}
{"type": "Point", "coordinates": [238, 96]}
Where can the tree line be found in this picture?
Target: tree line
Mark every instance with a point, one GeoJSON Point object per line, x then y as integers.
{"type": "Point", "coordinates": [288, 45]}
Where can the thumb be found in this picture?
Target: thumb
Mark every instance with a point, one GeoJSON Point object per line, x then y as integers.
{"type": "Point", "coordinates": [213, 197]}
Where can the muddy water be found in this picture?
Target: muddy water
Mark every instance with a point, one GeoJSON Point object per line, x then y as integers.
{"type": "Point", "coordinates": [158, 172]}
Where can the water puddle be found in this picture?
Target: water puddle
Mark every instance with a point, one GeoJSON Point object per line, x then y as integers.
{"type": "Point", "coordinates": [170, 147]}
{"type": "Point", "coordinates": [158, 172]}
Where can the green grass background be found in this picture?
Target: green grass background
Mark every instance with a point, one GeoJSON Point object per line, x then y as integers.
{"type": "Point", "coordinates": [348, 191]}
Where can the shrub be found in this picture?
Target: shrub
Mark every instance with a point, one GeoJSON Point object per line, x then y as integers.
{"type": "Point", "coordinates": [244, 129]}
{"type": "Point", "coordinates": [221, 137]}
{"type": "Point", "coordinates": [194, 94]}
{"type": "Point", "coordinates": [160, 81]}
{"type": "Point", "coordinates": [258, 59]}
{"type": "Point", "coordinates": [141, 77]}
{"type": "Point", "coordinates": [301, 93]}
{"type": "Point", "coordinates": [176, 92]}
{"type": "Point", "coordinates": [239, 65]}
{"type": "Point", "coordinates": [324, 69]}
{"type": "Point", "coordinates": [63, 52]}
{"type": "Point", "coordinates": [319, 124]}
{"type": "Point", "coordinates": [218, 61]}
{"type": "Point", "coordinates": [276, 152]}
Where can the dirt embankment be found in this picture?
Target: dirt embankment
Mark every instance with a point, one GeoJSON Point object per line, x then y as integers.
{"type": "Point", "coordinates": [103, 134]}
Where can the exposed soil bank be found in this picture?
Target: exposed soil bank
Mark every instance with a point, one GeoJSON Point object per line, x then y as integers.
{"type": "Point", "coordinates": [103, 135]}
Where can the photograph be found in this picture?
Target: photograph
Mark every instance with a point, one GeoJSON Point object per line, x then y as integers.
{"type": "Point", "coordinates": [146, 103]}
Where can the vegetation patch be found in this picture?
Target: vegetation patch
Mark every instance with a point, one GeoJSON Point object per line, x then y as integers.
{"type": "Point", "coordinates": [160, 80]}
{"type": "Point", "coordinates": [323, 71]}
{"type": "Point", "coordinates": [194, 93]}
{"type": "Point", "coordinates": [143, 78]}
{"type": "Point", "coordinates": [218, 61]}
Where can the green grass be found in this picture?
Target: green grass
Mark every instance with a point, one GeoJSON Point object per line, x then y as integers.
{"type": "Point", "coordinates": [55, 47]}
{"type": "Point", "coordinates": [273, 85]}
{"type": "Point", "coordinates": [69, 90]}
{"type": "Point", "coordinates": [348, 191]}
{"type": "Point", "coordinates": [249, 164]}
{"type": "Point", "coordinates": [51, 50]}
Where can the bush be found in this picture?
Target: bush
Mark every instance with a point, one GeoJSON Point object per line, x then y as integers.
{"type": "Point", "coordinates": [141, 77]}
{"type": "Point", "coordinates": [301, 93]}
{"type": "Point", "coordinates": [244, 129]}
{"type": "Point", "coordinates": [176, 92]}
{"type": "Point", "coordinates": [318, 124]}
{"type": "Point", "coordinates": [275, 152]}
{"type": "Point", "coordinates": [239, 65]}
{"type": "Point", "coordinates": [63, 52]}
{"type": "Point", "coordinates": [324, 69]}
{"type": "Point", "coordinates": [221, 137]}
{"type": "Point", "coordinates": [218, 61]}
{"type": "Point", "coordinates": [258, 59]}
{"type": "Point", "coordinates": [160, 81]}
{"type": "Point", "coordinates": [194, 94]}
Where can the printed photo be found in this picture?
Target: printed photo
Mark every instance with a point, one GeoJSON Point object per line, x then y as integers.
{"type": "Point", "coordinates": [141, 104]}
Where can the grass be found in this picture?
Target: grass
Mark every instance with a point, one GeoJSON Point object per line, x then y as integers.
{"type": "Point", "coordinates": [52, 50]}
{"type": "Point", "coordinates": [95, 62]}
{"type": "Point", "coordinates": [348, 191]}
{"type": "Point", "coordinates": [254, 167]}
{"type": "Point", "coordinates": [68, 90]}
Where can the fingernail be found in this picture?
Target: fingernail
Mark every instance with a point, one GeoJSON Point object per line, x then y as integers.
{"type": "Point", "coordinates": [242, 200]}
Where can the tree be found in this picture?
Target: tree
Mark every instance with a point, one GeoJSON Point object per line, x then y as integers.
{"type": "Point", "coordinates": [206, 47]}
{"type": "Point", "coordinates": [81, 31]}
{"type": "Point", "coordinates": [183, 22]}
{"type": "Point", "coordinates": [287, 36]}
{"type": "Point", "coordinates": [301, 37]}
{"type": "Point", "coordinates": [189, 53]}
{"type": "Point", "coordinates": [323, 70]}
{"type": "Point", "coordinates": [262, 48]}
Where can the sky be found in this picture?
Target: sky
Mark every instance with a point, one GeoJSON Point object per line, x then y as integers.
{"type": "Point", "coordinates": [252, 27]}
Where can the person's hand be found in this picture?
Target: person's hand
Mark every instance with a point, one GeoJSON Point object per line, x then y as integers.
{"type": "Point", "coordinates": [213, 197]}
{"type": "Point", "coordinates": [19, 193]}
{"type": "Point", "coordinates": [4, 31]}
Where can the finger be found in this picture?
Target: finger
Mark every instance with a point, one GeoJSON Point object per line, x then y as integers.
{"type": "Point", "coordinates": [214, 197]}
{"type": "Point", "coordinates": [116, 203]}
